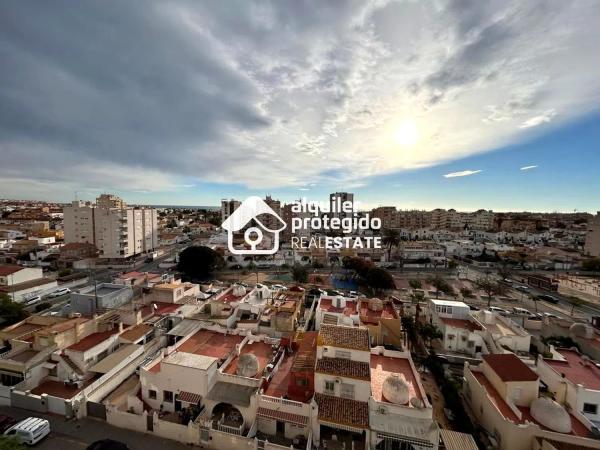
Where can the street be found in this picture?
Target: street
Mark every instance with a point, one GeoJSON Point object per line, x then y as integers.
{"type": "Point", "coordinates": [78, 434]}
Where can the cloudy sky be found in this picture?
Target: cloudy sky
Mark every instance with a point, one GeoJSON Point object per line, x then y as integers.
{"type": "Point", "coordinates": [418, 104]}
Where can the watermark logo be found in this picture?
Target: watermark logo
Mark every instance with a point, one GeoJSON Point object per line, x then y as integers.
{"type": "Point", "coordinates": [247, 216]}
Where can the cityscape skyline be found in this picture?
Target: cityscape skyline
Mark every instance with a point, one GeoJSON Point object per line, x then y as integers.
{"type": "Point", "coordinates": [464, 105]}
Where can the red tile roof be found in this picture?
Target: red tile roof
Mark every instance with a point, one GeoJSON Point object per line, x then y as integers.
{"type": "Point", "coordinates": [509, 367]}
{"type": "Point", "coordinates": [344, 337]}
{"type": "Point", "coordinates": [263, 353]}
{"type": "Point", "coordinates": [211, 343]}
{"type": "Point", "coordinates": [344, 368]}
{"type": "Point", "coordinates": [282, 416]}
{"type": "Point", "coordinates": [6, 270]}
{"type": "Point", "coordinates": [343, 411]}
{"type": "Point", "coordinates": [92, 340]}
{"type": "Point", "coordinates": [189, 397]}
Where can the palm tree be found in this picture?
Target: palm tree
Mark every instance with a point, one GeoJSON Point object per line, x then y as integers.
{"type": "Point", "coordinates": [391, 238]}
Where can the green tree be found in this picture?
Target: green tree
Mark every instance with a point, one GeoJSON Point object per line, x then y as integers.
{"type": "Point", "coordinates": [490, 286]}
{"type": "Point", "coordinates": [391, 238]}
{"type": "Point", "coordinates": [379, 279]}
{"type": "Point", "coordinates": [199, 262]}
{"type": "Point", "coordinates": [299, 274]}
{"type": "Point", "coordinates": [440, 285]}
{"type": "Point", "coordinates": [430, 332]}
{"type": "Point", "coordinates": [11, 311]}
{"type": "Point", "coordinates": [415, 284]}
{"type": "Point", "coordinates": [9, 443]}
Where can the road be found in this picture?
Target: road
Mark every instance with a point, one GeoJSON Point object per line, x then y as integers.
{"type": "Point", "coordinates": [78, 434]}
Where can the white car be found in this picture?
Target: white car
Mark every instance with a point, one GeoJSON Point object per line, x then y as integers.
{"type": "Point", "coordinates": [60, 292]}
{"type": "Point", "coordinates": [29, 431]}
{"type": "Point", "coordinates": [33, 300]}
{"type": "Point", "coordinates": [498, 310]}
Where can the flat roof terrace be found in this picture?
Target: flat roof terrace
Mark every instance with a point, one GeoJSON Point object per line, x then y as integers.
{"type": "Point", "coordinates": [211, 343]}
{"type": "Point", "coordinates": [263, 352]}
{"type": "Point", "coordinates": [384, 366]}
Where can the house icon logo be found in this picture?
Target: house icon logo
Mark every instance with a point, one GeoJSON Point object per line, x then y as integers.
{"type": "Point", "coordinates": [246, 215]}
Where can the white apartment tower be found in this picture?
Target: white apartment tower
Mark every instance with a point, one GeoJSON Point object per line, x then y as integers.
{"type": "Point", "coordinates": [228, 207]}
{"type": "Point", "coordinates": [117, 231]}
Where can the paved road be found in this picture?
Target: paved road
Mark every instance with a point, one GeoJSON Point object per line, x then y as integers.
{"type": "Point", "coordinates": [78, 434]}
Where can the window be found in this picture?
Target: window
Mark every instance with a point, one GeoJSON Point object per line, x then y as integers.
{"type": "Point", "coordinates": [347, 391]}
{"type": "Point", "coordinates": [168, 396]}
{"type": "Point", "coordinates": [329, 387]}
{"type": "Point", "coordinates": [590, 408]}
{"type": "Point", "coordinates": [343, 354]}
{"type": "Point", "coordinates": [152, 394]}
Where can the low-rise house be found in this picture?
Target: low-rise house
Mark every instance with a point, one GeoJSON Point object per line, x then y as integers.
{"type": "Point", "coordinates": [19, 283]}
{"type": "Point", "coordinates": [503, 396]}
{"type": "Point", "coordinates": [382, 320]}
{"type": "Point", "coordinates": [100, 298]}
{"type": "Point", "coordinates": [336, 310]}
{"type": "Point", "coordinates": [574, 380]}
{"type": "Point", "coordinates": [501, 333]}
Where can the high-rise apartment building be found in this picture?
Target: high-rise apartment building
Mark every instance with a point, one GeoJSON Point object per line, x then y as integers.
{"type": "Point", "coordinates": [592, 238]}
{"type": "Point", "coordinates": [336, 200]}
{"type": "Point", "coordinates": [228, 207]}
{"type": "Point", "coordinates": [117, 231]}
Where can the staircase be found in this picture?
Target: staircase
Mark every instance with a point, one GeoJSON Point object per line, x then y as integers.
{"type": "Point", "coordinates": [72, 365]}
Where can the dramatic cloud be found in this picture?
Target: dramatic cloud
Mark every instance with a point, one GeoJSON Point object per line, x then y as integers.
{"type": "Point", "coordinates": [151, 96]}
{"type": "Point", "coordinates": [464, 173]}
{"type": "Point", "coordinates": [528, 167]}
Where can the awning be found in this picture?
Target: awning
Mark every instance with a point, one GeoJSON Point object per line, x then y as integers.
{"type": "Point", "coordinates": [185, 328]}
{"type": "Point", "coordinates": [296, 419]}
{"type": "Point", "coordinates": [189, 397]}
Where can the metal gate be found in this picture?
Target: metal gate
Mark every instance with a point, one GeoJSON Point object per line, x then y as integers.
{"type": "Point", "coordinates": [97, 410]}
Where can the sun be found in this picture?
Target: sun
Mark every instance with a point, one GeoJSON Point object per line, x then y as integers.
{"type": "Point", "coordinates": [407, 133]}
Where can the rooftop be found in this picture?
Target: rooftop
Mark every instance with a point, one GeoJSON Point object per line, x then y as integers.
{"type": "Point", "coordinates": [461, 323]}
{"type": "Point", "coordinates": [343, 411]}
{"type": "Point", "coordinates": [344, 337]}
{"type": "Point", "coordinates": [383, 366]}
{"type": "Point", "coordinates": [449, 303]}
{"type": "Point", "coordinates": [6, 270]}
{"type": "Point", "coordinates": [92, 340]}
{"type": "Point", "coordinates": [278, 387]}
{"type": "Point", "coordinates": [136, 332]}
{"type": "Point", "coordinates": [326, 304]}
{"type": "Point", "coordinates": [307, 351]}
{"type": "Point", "coordinates": [576, 369]}
{"type": "Point", "coordinates": [369, 315]}
{"type": "Point", "coordinates": [115, 358]}
{"type": "Point", "coordinates": [211, 343]}
{"type": "Point", "coordinates": [60, 389]}
{"type": "Point", "coordinates": [190, 360]}
{"type": "Point", "coordinates": [509, 367]}
{"type": "Point", "coordinates": [344, 368]}
{"type": "Point", "coordinates": [262, 351]}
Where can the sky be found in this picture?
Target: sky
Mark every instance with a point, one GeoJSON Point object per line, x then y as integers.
{"type": "Point", "coordinates": [416, 104]}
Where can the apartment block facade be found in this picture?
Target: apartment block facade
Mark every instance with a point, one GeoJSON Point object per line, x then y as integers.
{"type": "Point", "coordinates": [116, 230]}
{"type": "Point", "coordinates": [592, 238]}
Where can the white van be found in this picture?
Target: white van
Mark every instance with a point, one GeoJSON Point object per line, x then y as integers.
{"type": "Point", "coordinates": [29, 431]}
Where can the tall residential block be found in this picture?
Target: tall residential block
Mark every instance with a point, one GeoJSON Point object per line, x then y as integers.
{"type": "Point", "coordinates": [592, 238]}
{"type": "Point", "coordinates": [117, 230]}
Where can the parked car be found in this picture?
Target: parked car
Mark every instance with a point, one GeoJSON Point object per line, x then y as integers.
{"type": "Point", "coordinates": [33, 300]}
{"type": "Point", "coordinates": [523, 288]}
{"type": "Point", "coordinates": [549, 314]}
{"type": "Point", "coordinates": [6, 422]}
{"type": "Point", "coordinates": [29, 431]}
{"type": "Point", "coordinates": [473, 308]}
{"type": "Point", "coordinates": [59, 293]}
{"type": "Point", "coordinates": [521, 311]}
{"type": "Point", "coordinates": [498, 310]}
{"type": "Point", "coordinates": [548, 298]}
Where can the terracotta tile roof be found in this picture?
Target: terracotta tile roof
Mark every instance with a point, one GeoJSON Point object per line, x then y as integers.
{"type": "Point", "coordinates": [136, 332]}
{"type": "Point", "coordinates": [343, 411]}
{"type": "Point", "coordinates": [509, 367]}
{"type": "Point", "coordinates": [344, 337]}
{"type": "Point", "coordinates": [282, 416]}
{"type": "Point", "coordinates": [344, 368]}
{"type": "Point", "coordinates": [189, 397]}
{"type": "Point", "coordinates": [92, 340]}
